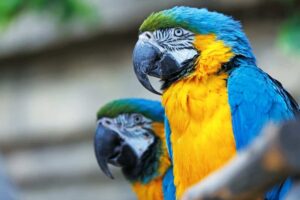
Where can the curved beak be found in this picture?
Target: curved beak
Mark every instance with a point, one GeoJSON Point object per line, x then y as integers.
{"type": "Point", "coordinates": [145, 56]}
{"type": "Point", "coordinates": [108, 146]}
{"type": "Point", "coordinates": [148, 59]}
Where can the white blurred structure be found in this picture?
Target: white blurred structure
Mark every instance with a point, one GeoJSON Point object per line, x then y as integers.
{"type": "Point", "coordinates": [7, 189]}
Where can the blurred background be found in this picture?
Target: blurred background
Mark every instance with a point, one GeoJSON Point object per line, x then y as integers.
{"type": "Point", "coordinates": [60, 60]}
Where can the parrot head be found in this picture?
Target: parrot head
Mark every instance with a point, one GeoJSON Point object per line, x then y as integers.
{"type": "Point", "coordinates": [130, 135]}
{"type": "Point", "coordinates": [176, 42]}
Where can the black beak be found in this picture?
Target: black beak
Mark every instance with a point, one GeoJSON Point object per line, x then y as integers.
{"type": "Point", "coordinates": [149, 60]}
{"type": "Point", "coordinates": [107, 146]}
{"type": "Point", "coordinates": [110, 148]}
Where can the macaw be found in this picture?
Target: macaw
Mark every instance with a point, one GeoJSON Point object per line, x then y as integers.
{"type": "Point", "coordinates": [216, 98]}
{"type": "Point", "coordinates": [130, 135]}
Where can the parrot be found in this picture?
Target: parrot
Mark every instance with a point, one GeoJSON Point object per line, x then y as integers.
{"type": "Point", "coordinates": [130, 135]}
{"type": "Point", "coordinates": [216, 98]}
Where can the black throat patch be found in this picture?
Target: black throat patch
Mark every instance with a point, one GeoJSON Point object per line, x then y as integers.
{"type": "Point", "coordinates": [187, 68]}
{"type": "Point", "coordinates": [147, 166]}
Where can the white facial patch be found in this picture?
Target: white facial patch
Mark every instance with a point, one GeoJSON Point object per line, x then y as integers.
{"type": "Point", "coordinates": [183, 54]}
{"type": "Point", "coordinates": [149, 37]}
{"type": "Point", "coordinates": [133, 129]}
{"type": "Point", "coordinates": [139, 144]}
{"type": "Point", "coordinates": [176, 41]}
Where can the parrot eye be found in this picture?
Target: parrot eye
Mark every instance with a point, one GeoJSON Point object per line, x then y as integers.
{"type": "Point", "coordinates": [137, 118]}
{"type": "Point", "coordinates": [178, 32]}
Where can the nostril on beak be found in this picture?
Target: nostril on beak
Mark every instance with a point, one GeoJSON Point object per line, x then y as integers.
{"type": "Point", "coordinates": [105, 122]}
{"type": "Point", "coordinates": [148, 35]}
{"type": "Point", "coordinates": [108, 122]}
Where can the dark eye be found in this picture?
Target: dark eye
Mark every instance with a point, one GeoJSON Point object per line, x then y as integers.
{"type": "Point", "coordinates": [178, 32]}
{"type": "Point", "coordinates": [137, 118]}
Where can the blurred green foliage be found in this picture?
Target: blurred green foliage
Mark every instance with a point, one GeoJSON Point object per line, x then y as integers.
{"type": "Point", "coordinates": [289, 37]}
{"type": "Point", "coordinates": [289, 34]}
{"type": "Point", "coordinates": [62, 9]}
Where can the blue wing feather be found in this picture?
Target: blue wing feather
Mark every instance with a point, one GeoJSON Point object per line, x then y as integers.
{"type": "Point", "coordinates": [256, 99]}
{"type": "Point", "coordinates": [168, 137]}
{"type": "Point", "coordinates": [168, 185]}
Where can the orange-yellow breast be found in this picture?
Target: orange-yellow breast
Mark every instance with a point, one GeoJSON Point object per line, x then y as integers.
{"type": "Point", "coordinates": [164, 161]}
{"type": "Point", "coordinates": [154, 189]}
{"type": "Point", "coordinates": [199, 115]}
{"type": "Point", "coordinates": [150, 191]}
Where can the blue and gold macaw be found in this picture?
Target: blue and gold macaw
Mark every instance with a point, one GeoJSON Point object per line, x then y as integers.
{"type": "Point", "coordinates": [215, 97]}
{"type": "Point", "coordinates": [130, 134]}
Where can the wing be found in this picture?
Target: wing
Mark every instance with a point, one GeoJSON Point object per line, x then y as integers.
{"type": "Point", "coordinates": [168, 137]}
{"type": "Point", "coordinates": [169, 189]}
{"type": "Point", "coordinates": [255, 99]}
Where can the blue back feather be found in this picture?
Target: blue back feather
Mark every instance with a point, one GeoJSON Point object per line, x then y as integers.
{"type": "Point", "coordinates": [168, 185]}
{"type": "Point", "coordinates": [168, 137]}
{"type": "Point", "coordinates": [256, 99]}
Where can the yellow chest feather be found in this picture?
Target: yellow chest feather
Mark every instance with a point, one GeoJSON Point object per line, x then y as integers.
{"type": "Point", "coordinates": [150, 191]}
{"type": "Point", "coordinates": [200, 121]}
{"type": "Point", "coordinates": [199, 115]}
{"type": "Point", "coordinates": [154, 189]}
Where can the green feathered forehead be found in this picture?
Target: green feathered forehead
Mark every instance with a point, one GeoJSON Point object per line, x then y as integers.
{"type": "Point", "coordinates": [148, 108]}
{"type": "Point", "coordinates": [202, 21]}
{"type": "Point", "coordinates": [161, 20]}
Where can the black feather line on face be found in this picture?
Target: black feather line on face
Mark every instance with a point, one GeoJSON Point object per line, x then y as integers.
{"type": "Point", "coordinates": [188, 67]}
{"type": "Point", "coordinates": [167, 40]}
